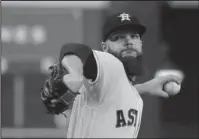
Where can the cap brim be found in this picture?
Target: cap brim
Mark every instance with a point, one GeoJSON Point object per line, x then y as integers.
{"type": "Point", "coordinates": [140, 29]}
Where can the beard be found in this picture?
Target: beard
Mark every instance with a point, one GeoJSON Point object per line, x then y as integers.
{"type": "Point", "coordinates": [132, 65]}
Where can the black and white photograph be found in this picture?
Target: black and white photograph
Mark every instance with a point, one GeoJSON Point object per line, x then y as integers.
{"type": "Point", "coordinates": [99, 69]}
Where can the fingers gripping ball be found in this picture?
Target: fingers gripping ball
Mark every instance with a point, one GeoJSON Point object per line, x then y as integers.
{"type": "Point", "coordinates": [172, 88]}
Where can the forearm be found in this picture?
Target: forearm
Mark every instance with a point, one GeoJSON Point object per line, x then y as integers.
{"type": "Point", "coordinates": [74, 79]}
{"type": "Point", "coordinates": [146, 87]}
{"type": "Point", "coordinates": [141, 88]}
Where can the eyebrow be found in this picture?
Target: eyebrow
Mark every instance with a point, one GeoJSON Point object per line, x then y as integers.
{"type": "Point", "coordinates": [135, 33]}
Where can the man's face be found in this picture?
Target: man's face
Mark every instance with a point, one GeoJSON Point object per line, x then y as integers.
{"type": "Point", "coordinates": [126, 46]}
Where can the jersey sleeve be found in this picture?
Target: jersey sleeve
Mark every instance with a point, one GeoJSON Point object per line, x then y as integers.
{"type": "Point", "coordinates": [85, 53]}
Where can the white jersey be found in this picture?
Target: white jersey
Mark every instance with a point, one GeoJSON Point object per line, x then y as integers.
{"type": "Point", "coordinates": [119, 111]}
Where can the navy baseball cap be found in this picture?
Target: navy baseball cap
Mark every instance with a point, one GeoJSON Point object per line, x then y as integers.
{"type": "Point", "coordinates": [122, 21]}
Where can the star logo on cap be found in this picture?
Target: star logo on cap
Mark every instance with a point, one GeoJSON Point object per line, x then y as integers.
{"type": "Point", "coordinates": [124, 17]}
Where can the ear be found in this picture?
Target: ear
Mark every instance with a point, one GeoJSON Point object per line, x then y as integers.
{"type": "Point", "coordinates": [104, 47]}
{"type": "Point", "coordinates": [141, 43]}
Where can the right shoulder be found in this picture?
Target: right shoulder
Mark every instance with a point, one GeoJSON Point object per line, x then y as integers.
{"type": "Point", "coordinates": [105, 57]}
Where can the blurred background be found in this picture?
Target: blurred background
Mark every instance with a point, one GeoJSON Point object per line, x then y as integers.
{"type": "Point", "coordinates": [32, 34]}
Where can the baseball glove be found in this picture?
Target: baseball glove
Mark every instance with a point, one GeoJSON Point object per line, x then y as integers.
{"type": "Point", "coordinates": [57, 97]}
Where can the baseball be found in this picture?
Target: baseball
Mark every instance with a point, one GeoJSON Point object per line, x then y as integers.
{"type": "Point", "coordinates": [172, 88]}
